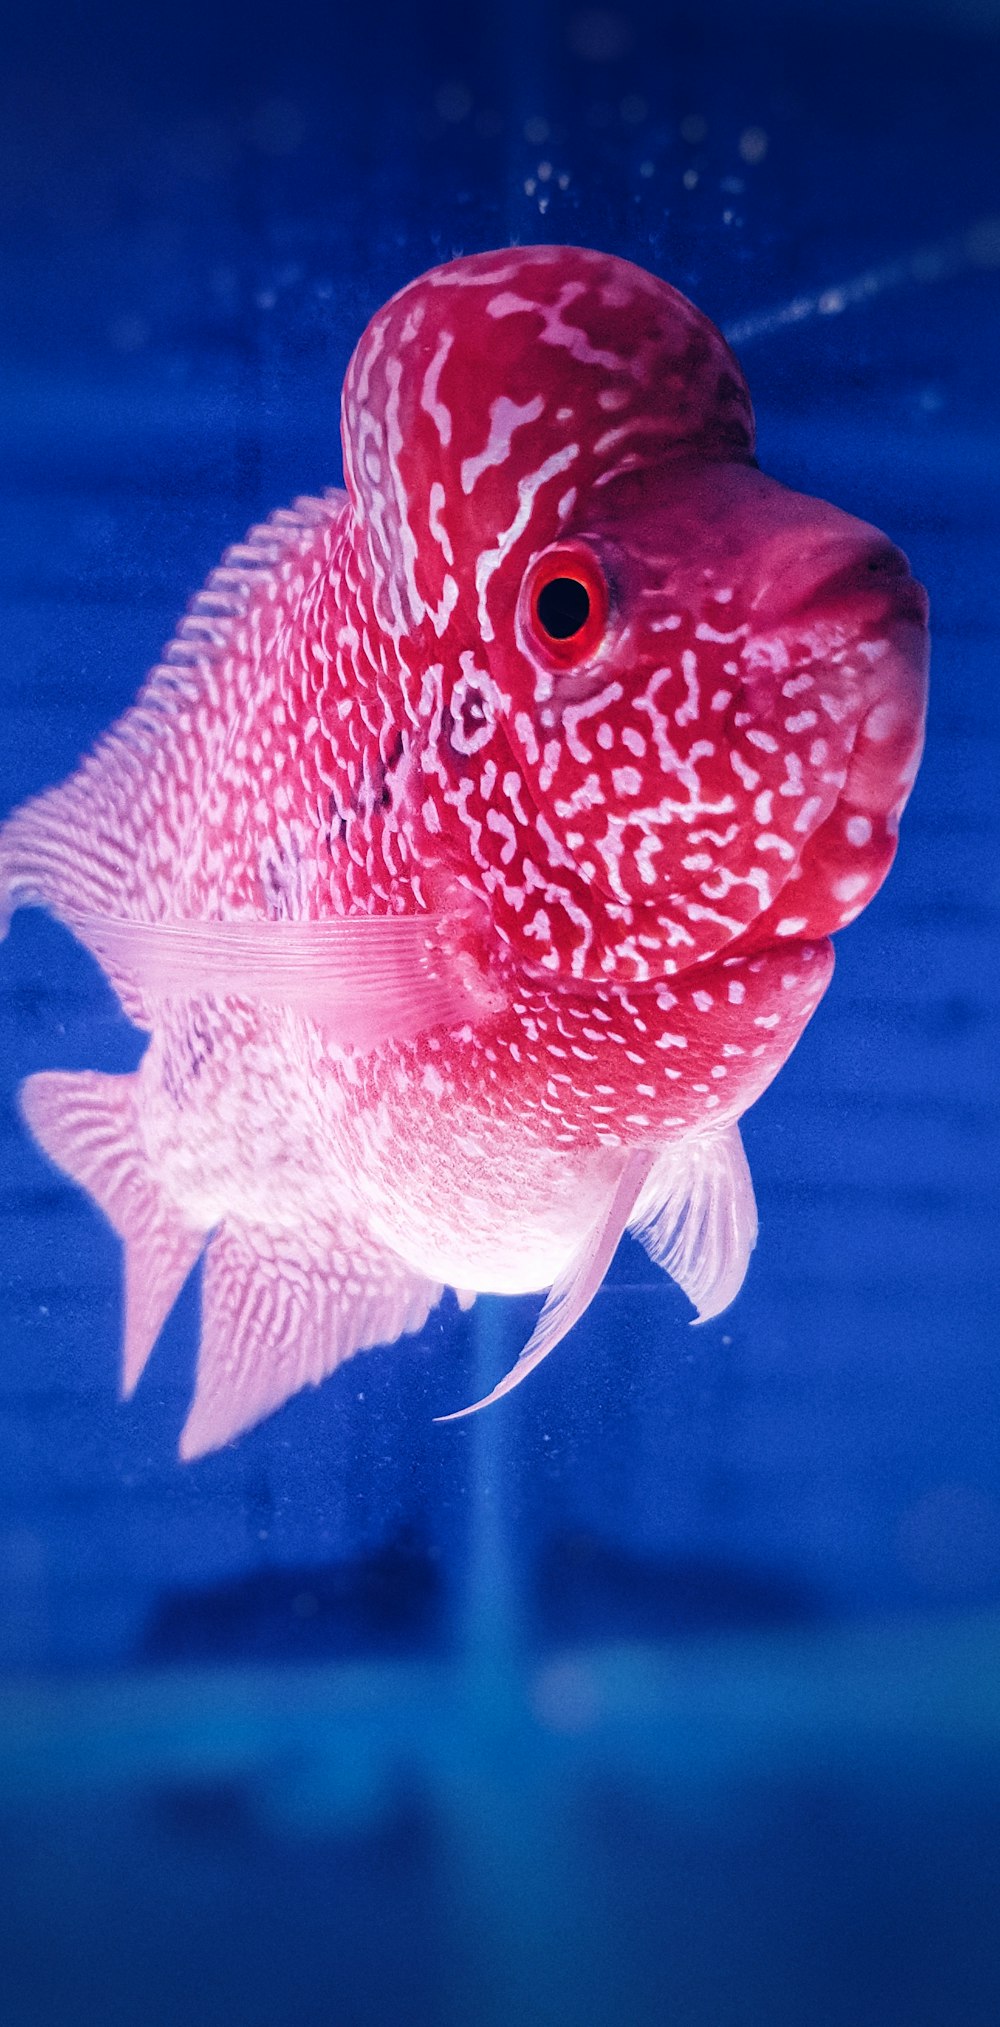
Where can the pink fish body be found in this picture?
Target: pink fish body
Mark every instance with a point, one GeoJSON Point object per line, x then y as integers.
{"type": "Point", "coordinates": [473, 854]}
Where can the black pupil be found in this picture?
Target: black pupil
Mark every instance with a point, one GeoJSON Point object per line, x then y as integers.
{"type": "Point", "coordinates": [563, 607]}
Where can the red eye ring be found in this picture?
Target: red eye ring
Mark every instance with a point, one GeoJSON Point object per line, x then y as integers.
{"type": "Point", "coordinates": [567, 604]}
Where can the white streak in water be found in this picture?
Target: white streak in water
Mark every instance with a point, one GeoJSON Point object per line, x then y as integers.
{"type": "Point", "coordinates": [977, 247]}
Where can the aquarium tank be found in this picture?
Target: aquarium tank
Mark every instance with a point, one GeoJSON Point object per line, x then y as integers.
{"type": "Point", "coordinates": [666, 1688]}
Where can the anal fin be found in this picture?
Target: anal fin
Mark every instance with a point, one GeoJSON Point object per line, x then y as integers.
{"type": "Point", "coordinates": [577, 1285]}
{"type": "Point", "coordinates": [87, 1125]}
{"type": "Point", "coordinates": [692, 1206]}
{"type": "Point", "coordinates": [282, 1309]}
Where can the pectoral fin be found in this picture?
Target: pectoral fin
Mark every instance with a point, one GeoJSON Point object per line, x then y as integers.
{"type": "Point", "coordinates": [364, 979]}
{"type": "Point", "coordinates": [697, 1218]}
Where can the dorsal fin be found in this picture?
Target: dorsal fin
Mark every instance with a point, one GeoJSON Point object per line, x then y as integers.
{"type": "Point", "coordinates": [97, 843]}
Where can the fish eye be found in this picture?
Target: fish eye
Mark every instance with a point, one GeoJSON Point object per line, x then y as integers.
{"type": "Point", "coordinates": [562, 607]}
{"type": "Point", "coordinates": [566, 604]}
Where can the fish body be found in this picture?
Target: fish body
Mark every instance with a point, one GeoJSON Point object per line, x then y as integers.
{"type": "Point", "coordinates": [473, 854]}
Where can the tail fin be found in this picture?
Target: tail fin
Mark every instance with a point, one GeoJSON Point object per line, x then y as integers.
{"type": "Point", "coordinates": [87, 1125]}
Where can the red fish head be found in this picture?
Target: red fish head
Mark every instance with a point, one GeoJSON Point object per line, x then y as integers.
{"type": "Point", "coordinates": [668, 710]}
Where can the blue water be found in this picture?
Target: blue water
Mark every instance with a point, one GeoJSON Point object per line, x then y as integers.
{"type": "Point", "coordinates": [666, 1692]}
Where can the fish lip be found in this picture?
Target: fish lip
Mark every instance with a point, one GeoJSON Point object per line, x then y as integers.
{"type": "Point", "coordinates": [721, 963]}
{"type": "Point", "coordinates": [868, 579]}
{"type": "Point", "coordinates": [776, 947]}
{"type": "Point", "coordinates": [911, 605]}
{"type": "Point", "coordinates": [776, 950]}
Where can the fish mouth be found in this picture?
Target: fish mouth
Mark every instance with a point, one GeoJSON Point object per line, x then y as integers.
{"type": "Point", "coordinates": [870, 582]}
{"type": "Point", "coordinates": [772, 952]}
{"type": "Point", "coordinates": [789, 957]}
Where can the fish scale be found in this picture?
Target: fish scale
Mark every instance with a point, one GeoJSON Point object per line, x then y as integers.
{"type": "Point", "coordinates": [471, 857]}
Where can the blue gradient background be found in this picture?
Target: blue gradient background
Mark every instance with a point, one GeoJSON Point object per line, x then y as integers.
{"type": "Point", "coordinates": [666, 1692]}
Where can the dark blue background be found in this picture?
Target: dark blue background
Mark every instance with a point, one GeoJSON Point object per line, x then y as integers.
{"type": "Point", "coordinates": [667, 1690]}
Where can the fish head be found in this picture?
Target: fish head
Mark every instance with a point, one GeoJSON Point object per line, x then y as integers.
{"type": "Point", "coordinates": [671, 709]}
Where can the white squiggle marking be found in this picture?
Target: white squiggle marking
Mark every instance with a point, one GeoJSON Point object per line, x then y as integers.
{"type": "Point", "coordinates": [574, 714]}
{"type": "Point", "coordinates": [806, 816]}
{"type": "Point", "coordinates": [499, 823]}
{"type": "Point", "coordinates": [527, 489]}
{"type": "Point", "coordinates": [505, 417]}
{"type": "Point", "coordinates": [756, 879]}
{"type": "Point", "coordinates": [553, 843]}
{"type": "Point", "coordinates": [696, 913]}
{"type": "Point", "coordinates": [551, 756]}
{"type": "Point", "coordinates": [626, 780]}
{"type": "Point", "coordinates": [748, 775]}
{"type": "Point", "coordinates": [849, 886]}
{"type": "Point", "coordinates": [394, 445]}
{"type": "Point", "coordinates": [478, 687]}
{"type": "Point", "coordinates": [635, 427]}
{"type": "Point", "coordinates": [439, 413]}
{"type": "Point", "coordinates": [647, 850]}
{"type": "Point", "coordinates": [770, 841]}
{"type": "Point", "coordinates": [705, 632]}
{"type": "Point", "coordinates": [372, 351]}
{"type": "Point", "coordinates": [526, 733]}
{"type": "Point", "coordinates": [794, 783]}
{"type": "Point", "coordinates": [670, 761]}
{"type": "Point", "coordinates": [435, 503]}
{"type": "Point", "coordinates": [687, 713]}
{"type": "Point", "coordinates": [440, 614]}
{"type": "Point", "coordinates": [555, 331]}
{"type": "Point", "coordinates": [589, 795]}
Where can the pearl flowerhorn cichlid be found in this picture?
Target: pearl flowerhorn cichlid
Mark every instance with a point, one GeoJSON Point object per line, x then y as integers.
{"type": "Point", "coordinates": [472, 856]}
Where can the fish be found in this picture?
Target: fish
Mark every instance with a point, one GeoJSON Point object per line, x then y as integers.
{"type": "Point", "coordinates": [472, 856]}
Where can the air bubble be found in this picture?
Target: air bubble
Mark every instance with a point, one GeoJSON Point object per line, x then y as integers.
{"type": "Point", "coordinates": [753, 144]}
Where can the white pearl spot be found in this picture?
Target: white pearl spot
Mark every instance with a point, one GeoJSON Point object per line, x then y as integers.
{"type": "Point", "coordinates": [858, 830]}
{"type": "Point", "coordinates": [626, 780]}
{"type": "Point", "coordinates": [850, 886]}
{"type": "Point", "coordinates": [881, 723]}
